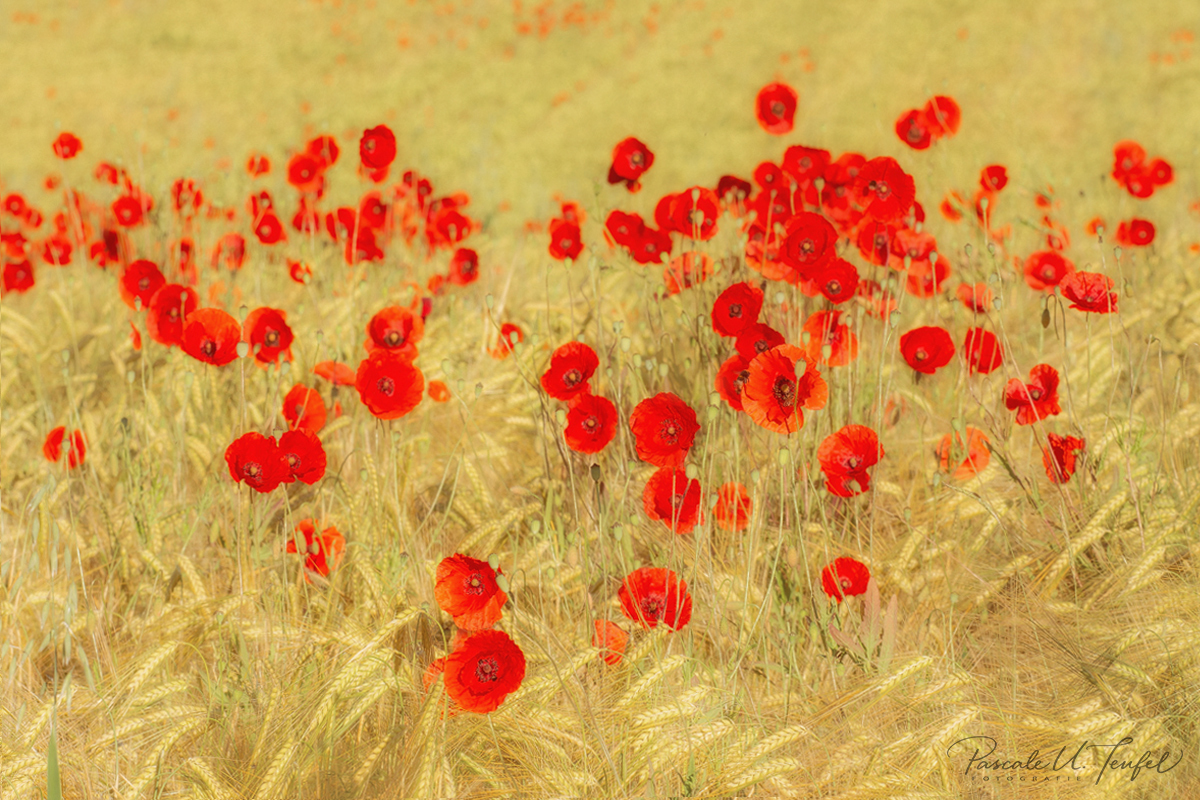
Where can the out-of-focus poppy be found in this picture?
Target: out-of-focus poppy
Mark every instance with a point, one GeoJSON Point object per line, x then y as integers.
{"type": "Point", "coordinates": [258, 165]}
{"type": "Point", "coordinates": [269, 229]}
{"type": "Point", "coordinates": [664, 428]}
{"type": "Point", "coordinates": [18, 277]}
{"type": "Point", "coordinates": [976, 297]}
{"type": "Point", "coordinates": [926, 278]}
{"type": "Point", "coordinates": [167, 313]}
{"type": "Point", "coordinates": [913, 129]}
{"type": "Point", "coordinates": [388, 384]}
{"type": "Point", "coordinates": [483, 670]}
{"type": "Point", "coordinates": [687, 270]}
{"type": "Point", "coordinates": [467, 590]}
{"type": "Point", "coordinates": [630, 160]}
{"type": "Point", "coordinates": [825, 330]}
{"type": "Point", "coordinates": [775, 395]}
{"type": "Point", "coordinates": [377, 147]}
{"type": "Point", "coordinates": [694, 213]}
{"type": "Point", "coordinates": [1059, 456]}
{"type": "Point", "coordinates": [323, 551]}
{"type": "Point", "coordinates": [565, 240]}
{"type": "Point", "coordinates": [927, 349]}
{"type": "Point", "coordinates": [67, 146]}
{"type": "Point", "coordinates": [1045, 269]}
{"type": "Point", "coordinates": [775, 108]}
{"type": "Point", "coordinates": [510, 336]}
{"type": "Point", "coordinates": [335, 372]}
{"type": "Point", "coordinates": [257, 461]}
{"type": "Point", "coordinates": [1089, 291]}
{"type": "Point", "coordinates": [230, 251]}
{"type": "Point", "coordinates": [846, 456]}
{"type": "Point", "coordinates": [993, 178]}
{"type": "Point", "coordinates": [52, 447]}
{"type": "Point", "coordinates": [395, 329]}
{"type": "Point", "coordinates": [439, 392]}
{"type": "Point", "coordinates": [464, 267]}
{"type": "Point", "coordinates": [650, 596]}
{"type": "Point", "coordinates": [269, 336]}
{"type": "Point", "coordinates": [982, 351]}
{"type": "Point", "coordinates": [733, 508]}
{"type": "Point", "coordinates": [210, 335]}
{"type": "Point", "coordinates": [571, 367]}
{"type": "Point", "coordinates": [611, 640]}
{"type": "Point", "coordinates": [1135, 232]}
{"type": "Point", "coordinates": [943, 116]}
{"type": "Point", "coordinates": [845, 577]}
{"type": "Point", "coordinates": [139, 282]}
{"type": "Point", "coordinates": [963, 459]}
{"type": "Point", "coordinates": [671, 498]}
{"type": "Point", "coordinates": [303, 408]}
{"type": "Point", "coordinates": [127, 211]}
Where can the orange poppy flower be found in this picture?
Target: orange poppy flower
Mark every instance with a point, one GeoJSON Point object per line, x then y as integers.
{"type": "Point", "coordinates": [396, 330]}
{"type": "Point", "coordinates": [732, 511]}
{"type": "Point", "coordinates": [611, 639]}
{"type": "Point", "coordinates": [466, 589]}
{"type": "Point", "coordinates": [774, 397]}
{"type": "Point", "coordinates": [687, 270]}
{"type": "Point", "coordinates": [824, 330]}
{"type": "Point", "coordinates": [976, 297]}
{"type": "Point", "coordinates": [571, 367]}
{"type": "Point", "coordinates": [650, 596]}
{"type": "Point", "coordinates": [943, 116]}
{"type": "Point", "coordinates": [664, 428]}
{"type": "Point", "coordinates": [591, 423]}
{"type": "Point", "coordinates": [52, 447]}
{"type": "Point", "coordinates": [845, 577]}
{"type": "Point", "coordinates": [269, 336]}
{"type": "Point", "coordinates": [335, 372]}
{"type": "Point", "coordinates": [1058, 457]}
{"type": "Point", "coordinates": [926, 278]}
{"type": "Point", "coordinates": [1089, 291]}
{"type": "Point", "coordinates": [439, 392]}
{"type": "Point", "coordinates": [167, 313]}
{"type": "Point", "coordinates": [322, 552]}
{"type": "Point", "coordinates": [510, 335]}
{"type": "Point", "coordinates": [483, 670]}
{"type": "Point", "coordinates": [963, 460]}
{"type": "Point", "coordinates": [673, 499]}
{"type": "Point", "coordinates": [303, 408]}
{"type": "Point", "coordinates": [388, 384]}
{"type": "Point", "coordinates": [210, 335]}
{"type": "Point", "coordinates": [845, 456]}
{"type": "Point", "coordinates": [1035, 400]}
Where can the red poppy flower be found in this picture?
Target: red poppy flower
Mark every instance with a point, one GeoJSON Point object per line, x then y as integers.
{"type": "Point", "coordinates": [993, 178]}
{"type": "Point", "coordinates": [837, 280]}
{"type": "Point", "coordinates": [1135, 232]}
{"type": "Point", "coordinates": [1128, 160]}
{"type": "Point", "coordinates": [565, 240]}
{"type": "Point", "coordinates": [57, 250]}
{"type": "Point", "coordinates": [388, 384]}
{"type": "Point", "coordinates": [805, 164]}
{"type": "Point", "coordinates": [1161, 172]}
{"type": "Point", "coordinates": [976, 297]}
{"type": "Point", "coordinates": [15, 204]}
{"type": "Point", "coordinates": [167, 313]}
{"type": "Point", "coordinates": [775, 108]}
{"type": "Point", "coordinates": [1059, 456]}
{"type": "Point", "coordinates": [397, 330]}
{"type": "Point", "coordinates": [694, 213]}
{"type": "Point", "coordinates": [510, 336]}
{"type": "Point", "coordinates": [687, 270]}
{"type": "Point", "coordinates": [466, 589]}
{"type": "Point", "coordinates": [1045, 269]}
{"type": "Point", "coordinates": [335, 372]}
{"type": "Point", "coordinates": [1089, 291]}
{"type": "Point", "coordinates": [982, 351]}
{"type": "Point", "coordinates": [912, 245]}
{"type": "Point", "coordinates": [127, 210]}
{"type": "Point", "coordinates": [846, 456]}
{"type": "Point", "coordinates": [325, 149]}
{"type": "Point", "coordinates": [18, 277]}
{"type": "Point", "coordinates": [757, 338]}
{"type": "Point", "coordinates": [258, 165]}
{"type": "Point", "coordinates": [650, 596]}
{"type": "Point", "coordinates": [824, 330]}
{"type": "Point", "coordinates": [67, 146]}
{"type": "Point", "coordinates": [1036, 399]}
{"type": "Point", "coordinates": [591, 423]}
{"type": "Point", "coordinates": [927, 349]}
{"type": "Point", "coordinates": [874, 240]}
{"type": "Point", "coordinates": [651, 246]}
{"type": "Point", "coordinates": [299, 271]}
{"type": "Point", "coordinates": [571, 367]}
{"type": "Point", "coordinates": [439, 392]}
{"type": "Point", "coordinates": [808, 244]}
{"type": "Point", "coordinates": [943, 116]}
{"type": "Point", "coordinates": [733, 191]}
{"type": "Point", "coordinates": [304, 455]}
{"type": "Point", "coordinates": [623, 229]}
{"type": "Point", "coordinates": [303, 408]}
{"type": "Point", "coordinates": [963, 460]}
{"type": "Point", "coordinates": [464, 267]}
{"type": "Point", "coordinates": [210, 335]}
{"type": "Point", "coordinates": [926, 278]}
{"type": "Point", "coordinates": [483, 670]}
{"type": "Point", "coordinates": [139, 282]}
{"type": "Point", "coordinates": [322, 552]}
{"type": "Point", "coordinates": [884, 189]}
{"type": "Point", "coordinates": [611, 640]}
{"type": "Point", "coordinates": [673, 499]}
{"type": "Point", "coordinates": [269, 336]}
{"type": "Point", "coordinates": [630, 160]}
{"type": "Point", "coordinates": [774, 397]}
{"type": "Point", "coordinates": [664, 428]}
{"type": "Point", "coordinates": [76, 446]}
{"type": "Point", "coordinates": [304, 172]}
{"type": "Point", "coordinates": [731, 380]}
{"type": "Point", "coordinates": [257, 461]}
{"type": "Point", "coordinates": [269, 229]}
{"type": "Point", "coordinates": [913, 129]}
{"type": "Point", "coordinates": [377, 147]}
{"type": "Point", "coordinates": [736, 308]}
{"type": "Point", "coordinates": [732, 511]}
{"type": "Point", "coordinates": [230, 251]}
{"type": "Point", "coordinates": [845, 577]}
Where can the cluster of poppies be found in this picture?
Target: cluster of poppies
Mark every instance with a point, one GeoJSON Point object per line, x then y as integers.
{"type": "Point", "coordinates": [1135, 173]}
{"type": "Point", "coordinates": [591, 418]}
{"type": "Point", "coordinates": [920, 127]}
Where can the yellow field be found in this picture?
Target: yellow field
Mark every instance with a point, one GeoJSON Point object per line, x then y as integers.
{"type": "Point", "coordinates": [156, 640]}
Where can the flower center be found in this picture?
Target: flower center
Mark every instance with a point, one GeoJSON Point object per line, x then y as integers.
{"type": "Point", "coordinates": [271, 339]}
{"type": "Point", "coordinates": [487, 670]}
{"type": "Point", "coordinates": [293, 461]}
{"type": "Point", "coordinates": [590, 423]}
{"type": "Point", "coordinates": [386, 386]}
{"type": "Point", "coordinates": [777, 108]}
{"type": "Point", "coordinates": [844, 582]}
{"type": "Point", "coordinates": [833, 287]}
{"type": "Point", "coordinates": [670, 431]}
{"type": "Point", "coordinates": [880, 188]}
{"type": "Point", "coordinates": [393, 338]}
{"type": "Point", "coordinates": [636, 158]}
{"type": "Point", "coordinates": [784, 392]}
{"type": "Point", "coordinates": [653, 607]}
{"type": "Point", "coordinates": [1035, 393]}
{"type": "Point", "coordinates": [852, 462]}
{"type": "Point", "coordinates": [252, 471]}
{"type": "Point", "coordinates": [144, 284]}
{"type": "Point", "coordinates": [473, 584]}
{"type": "Point", "coordinates": [921, 355]}
{"type": "Point", "coordinates": [735, 310]}
{"type": "Point", "coordinates": [208, 347]}
{"type": "Point", "coordinates": [807, 247]}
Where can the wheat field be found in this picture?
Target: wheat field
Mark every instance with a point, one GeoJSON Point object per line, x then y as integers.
{"type": "Point", "coordinates": [157, 639]}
